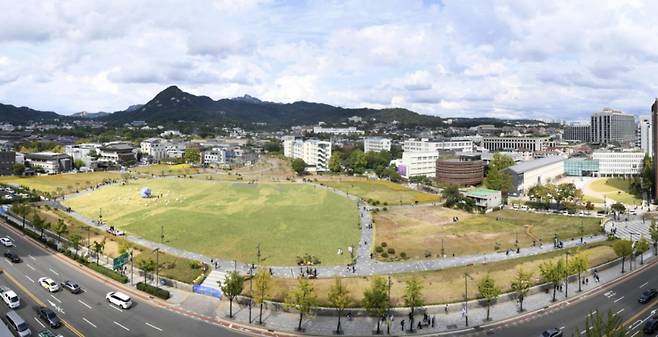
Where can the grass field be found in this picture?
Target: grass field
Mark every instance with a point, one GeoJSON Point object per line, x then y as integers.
{"type": "Point", "coordinates": [385, 192]}
{"type": "Point", "coordinates": [447, 285]}
{"type": "Point", "coordinates": [616, 189]}
{"type": "Point", "coordinates": [165, 169]}
{"type": "Point", "coordinates": [68, 182]}
{"type": "Point", "coordinates": [228, 220]}
{"type": "Point", "coordinates": [418, 230]}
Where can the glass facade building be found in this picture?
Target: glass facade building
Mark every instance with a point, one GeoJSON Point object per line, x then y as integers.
{"type": "Point", "coordinates": [581, 167]}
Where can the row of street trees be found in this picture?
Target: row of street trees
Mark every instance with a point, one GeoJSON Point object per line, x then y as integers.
{"type": "Point", "coordinates": [355, 161]}
{"type": "Point", "coordinates": [560, 194]}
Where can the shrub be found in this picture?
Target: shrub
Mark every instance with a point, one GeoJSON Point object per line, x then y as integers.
{"type": "Point", "coordinates": [403, 255]}
{"type": "Point", "coordinates": [379, 249]}
{"type": "Point", "coordinates": [157, 292]}
{"type": "Point", "coordinates": [384, 255]}
{"type": "Point", "coordinates": [390, 250]}
{"type": "Point", "coordinates": [385, 209]}
{"type": "Point", "coordinates": [195, 264]}
{"type": "Point", "coordinates": [108, 272]}
{"type": "Point", "coordinates": [384, 244]}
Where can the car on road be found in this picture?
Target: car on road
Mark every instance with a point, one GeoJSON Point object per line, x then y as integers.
{"type": "Point", "coordinates": [647, 295]}
{"type": "Point", "coordinates": [71, 286]}
{"type": "Point", "coordinates": [651, 325]}
{"type": "Point", "coordinates": [6, 242]}
{"type": "Point", "coordinates": [119, 299]}
{"type": "Point", "coordinates": [47, 333]}
{"type": "Point", "coordinates": [13, 257]}
{"type": "Point", "coordinates": [552, 332]}
{"type": "Point", "coordinates": [10, 298]}
{"type": "Point", "coordinates": [49, 284]}
{"type": "Point", "coordinates": [49, 316]}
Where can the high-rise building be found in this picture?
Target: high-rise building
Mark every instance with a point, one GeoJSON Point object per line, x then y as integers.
{"type": "Point", "coordinates": [644, 135]}
{"type": "Point", "coordinates": [654, 141]}
{"type": "Point", "coordinates": [610, 126]}
{"type": "Point", "coordinates": [314, 152]}
{"type": "Point", "coordinates": [579, 132]}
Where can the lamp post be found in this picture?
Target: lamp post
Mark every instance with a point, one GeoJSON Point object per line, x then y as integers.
{"type": "Point", "coordinates": [630, 261]}
{"type": "Point", "coordinates": [466, 277]}
{"type": "Point", "coordinates": [157, 267]}
{"type": "Point", "coordinates": [566, 274]}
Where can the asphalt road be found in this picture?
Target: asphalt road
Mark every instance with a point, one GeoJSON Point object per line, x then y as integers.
{"type": "Point", "coordinates": [620, 299]}
{"type": "Point", "coordinates": [88, 313]}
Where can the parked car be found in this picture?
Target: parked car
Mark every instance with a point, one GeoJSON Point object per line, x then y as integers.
{"type": "Point", "coordinates": [115, 231]}
{"type": "Point", "coordinates": [47, 333]}
{"type": "Point", "coordinates": [10, 298]}
{"type": "Point", "coordinates": [651, 325]}
{"type": "Point", "coordinates": [49, 316]}
{"type": "Point", "coordinates": [49, 284]}
{"type": "Point", "coordinates": [119, 299]}
{"type": "Point", "coordinates": [6, 241]}
{"type": "Point", "coordinates": [648, 295]}
{"type": "Point", "coordinates": [71, 286]}
{"type": "Point", "coordinates": [552, 332]}
{"type": "Point", "coordinates": [13, 257]}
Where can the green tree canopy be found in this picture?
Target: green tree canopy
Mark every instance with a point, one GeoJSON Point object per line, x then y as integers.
{"type": "Point", "coordinates": [375, 299]}
{"type": "Point", "coordinates": [413, 297]}
{"type": "Point", "coordinates": [623, 249]}
{"type": "Point", "coordinates": [232, 287]}
{"type": "Point", "coordinates": [192, 155]}
{"type": "Point", "coordinates": [339, 297]}
{"type": "Point", "coordinates": [489, 291]}
{"type": "Point", "coordinates": [301, 298]}
{"type": "Point", "coordinates": [299, 166]}
{"type": "Point", "coordinates": [496, 178]}
{"type": "Point", "coordinates": [521, 285]}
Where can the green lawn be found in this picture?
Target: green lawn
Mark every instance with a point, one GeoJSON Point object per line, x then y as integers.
{"type": "Point", "coordinates": [382, 191]}
{"type": "Point", "coordinates": [422, 230]}
{"type": "Point", "coordinates": [617, 189]}
{"type": "Point", "coordinates": [228, 220]}
{"type": "Point", "coordinates": [68, 182]}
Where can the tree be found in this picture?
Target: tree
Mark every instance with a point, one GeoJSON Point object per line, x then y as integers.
{"type": "Point", "coordinates": [356, 162]}
{"type": "Point", "coordinates": [335, 161]}
{"type": "Point", "coordinates": [565, 191]}
{"type": "Point", "coordinates": [75, 240]}
{"type": "Point", "coordinates": [596, 326]}
{"type": "Point", "coordinates": [653, 231]}
{"type": "Point", "coordinates": [299, 166]}
{"type": "Point", "coordinates": [60, 228]}
{"type": "Point", "coordinates": [553, 273]}
{"type": "Point", "coordinates": [192, 155]}
{"type": "Point", "coordinates": [623, 248]}
{"type": "Point", "coordinates": [302, 298]}
{"type": "Point", "coordinates": [146, 265]}
{"type": "Point", "coordinates": [263, 285]}
{"type": "Point", "coordinates": [98, 247]}
{"type": "Point", "coordinates": [579, 264]}
{"type": "Point", "coordinates": [521, 286]}
{"type": "Point", "coordinates": [232, 287]}
{"type": "Point", "coordinates": [77, 164]}
{"type": "Point", "coordinates": [647, 176]}
{"type": "Point", "coordinates": [21, 209]}
{"type": "Point", "coordinates": [125, 177]}
{"type": "Point", "coordinates": [339, 297]}
{"type": "Point", "coordinates": [538, 193]}
{"type": "Point", "coordinates": [18, 169]}
{"type": "Point", "coordinates": [413, 297]}
{"type": "Point", "coordinates": [451, 195]}
{"type": "Point", "coordinates": [497, 179]}
{"type": "Point", "coordinates": [618, 208]}
{"type": "Point", "coordinates": [40, 224]}
{"type": "Point", "coordinates": [489, 291]}
{"type": "Point", "coordinates": [641, 247]}
{"type": "Point", "coordinates": [375, 299]}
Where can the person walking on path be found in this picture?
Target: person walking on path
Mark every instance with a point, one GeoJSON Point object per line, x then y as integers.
{"type": "Point", "coordinates": [402, 325]}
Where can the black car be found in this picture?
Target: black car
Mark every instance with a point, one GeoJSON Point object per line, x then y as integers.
{"type": "Point", "coordinates": [648, 295]}
{"type": "Point", "coordinates": [71, 286]}
{"type": "Point", "coordinates": [13, 257]}
{"type": "Point", "coordinates": [49, 317]}
{"type": "Point", "coordinates": [651, 325]}
{"type": "Point", "coordinates": [552, 332]}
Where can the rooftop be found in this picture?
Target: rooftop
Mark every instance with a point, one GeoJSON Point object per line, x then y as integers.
{"type": "Point", "coordinates": [481, 192]}
{"type": "Point", "coordinates": [535, 164]}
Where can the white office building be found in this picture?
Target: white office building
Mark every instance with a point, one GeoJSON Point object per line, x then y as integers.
{"type": "Point", "coordinates": [521, 144]}
{"type": "Point", "coordinates": [528, 174]}
{"type": "Point", "coordinates": [618, 163]}
{"type": "Point", "coordinates": [613, 126]}
{"type": "Point", "coordinates": [644, 135]}
{"type": "Point", "coordinates": [426, 145]}
{"type": "Point", "coordinates": [217, 156]}
{"type": "Point", "coordinates": [154, 148]}
{"type": "Point", "coordinates": [376, 144]}
{"type": "Point", "coordinates": [315, 153]}
{"type": "Point", "coordinates": [417, 164]}
{"type": "Point", "coordinates": [83, 152]}
{"type": "Point", "coordinates": [338, 131]}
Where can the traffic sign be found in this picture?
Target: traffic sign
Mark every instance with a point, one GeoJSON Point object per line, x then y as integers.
{"type": "Point", "coordinates": [120, 260]}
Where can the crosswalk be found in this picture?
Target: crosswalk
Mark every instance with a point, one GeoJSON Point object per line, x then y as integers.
{"type": "Point", "coordinates": [625, 228]}
{"type": "Point", "coordinates": [212, 280]}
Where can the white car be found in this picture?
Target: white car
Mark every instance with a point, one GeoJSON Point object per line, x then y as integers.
{"type": "Point", "coordinates": [6, 242]}
{"type": "Point", "coordinates": [119, 299]}
{"type": "Point", "coordinates": [49, 284]}
{"type": "Point", "coordinates": [10, 298]}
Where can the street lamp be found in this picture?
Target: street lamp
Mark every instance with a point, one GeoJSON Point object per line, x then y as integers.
{"type": "Point", "coordinates": [566, 274]}
{"type": "Point", "coordinates": [630, 262]}
{"type": "Point", "coordinates": [157, 266]}
{"type": "Point", "coordinates": [466, 277]}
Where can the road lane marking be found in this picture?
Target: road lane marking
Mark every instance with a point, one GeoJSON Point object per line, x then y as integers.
{"type": "Point", "coordinates": [38, 321]}
{"type": "Point", "coordinates": [562, 328]}
{"type": "Point", "coordinates": [29, 278]}
{"type": "Point", "coordinates": [153, 326]}
{"type": "Point", "coordinates": [54, 272]}
{"type": "Point", "coordinates": [29, 266]}
{"type": "Point", "coordinates": [617, 300]}
{"type": "Point", "coordinates": [636, 332]}
{"type": "Point", "coordinates": [56, 299]}
{"type": "Point", "coordinates": [643, 284]}
{"type": "Point", "coordinates": [90, 323]}
{"type": "Point", "coordinates": [115, 308]}
{"type": "Point", "coordinates": [619, 312]}
{"type": "Point", "coordinates": [85, 304]}
{"type": "Point", "coordinates": [115, 322]}
{"type": "Point", "coordinates": [32, 257]}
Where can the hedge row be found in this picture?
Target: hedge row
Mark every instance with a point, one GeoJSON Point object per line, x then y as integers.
{"type": "Point", "coordinates": [108, 272]}
{"type": "Point", "coordinates": [157, 292]}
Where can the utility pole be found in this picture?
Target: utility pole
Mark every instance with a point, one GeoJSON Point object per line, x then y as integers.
{"type": "Point", "coordinates": [466, 277]}
{"type": "Point", "coordinates": [131, 267]}
{"type": "Point", "coordinates": [566, 274]}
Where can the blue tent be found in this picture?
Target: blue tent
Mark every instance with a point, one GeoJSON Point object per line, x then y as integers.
{"type": "Point", "coordinates": [145, 192]}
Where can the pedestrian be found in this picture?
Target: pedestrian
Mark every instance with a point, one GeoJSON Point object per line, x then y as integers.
{"type": "Point", "coordinates": [432, 320]}
{"type": "Point", "coordinates": [446, 308]}
{"type": "Point", "coordinates": [587, 280]}
{"type": "Point", "coordinates": [402, 325]}
{"type": "Point", "coordinates": [420, 326]}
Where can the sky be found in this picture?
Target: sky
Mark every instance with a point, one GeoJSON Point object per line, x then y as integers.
{"type": "Point", "coordinates": [558, 60]}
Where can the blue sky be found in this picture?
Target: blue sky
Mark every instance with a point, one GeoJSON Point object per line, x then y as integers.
{"type": "Point", "coordinates": [553, 60]}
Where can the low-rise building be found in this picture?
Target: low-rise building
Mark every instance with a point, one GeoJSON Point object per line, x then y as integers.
{"type": "Point", "coordinates": [484, 198]}
{"type": "Point", "coordinates": [530, 144]}
{"type": "Point", "coordinates": [154, 149]}
{"type": "Point", "coordinates": [376, 144]}
{"type": "Point", "coordinates": [338, 131]}
{"type": "Point", "coordinates": [618, 163]}
{"type": "Point", "coordinates": [466, 169]}
{"type": "Point", "coordinates": [117, 153]}
{"type": "Point", "coordinates": [415, 164]}
{"type": "Point", "coordinates": [581, 167]}
{"type": "Point", "coordinates": [535, 172]}
{"type": "Point", "coordinates": [49, 162]}
{"type": "Point", "coordinates": [86, 153]}
{"type": "Point", "coordinates": [218, 156]}
{"type": "Point", "coordinates": [426, 145]}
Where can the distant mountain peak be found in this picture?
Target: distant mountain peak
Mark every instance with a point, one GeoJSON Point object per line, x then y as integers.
{"type": "Point", "coordinates": [248, 98]}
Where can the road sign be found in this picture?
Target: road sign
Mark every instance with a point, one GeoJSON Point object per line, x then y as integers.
{"type": "Point", "coordinates": [120, 260]}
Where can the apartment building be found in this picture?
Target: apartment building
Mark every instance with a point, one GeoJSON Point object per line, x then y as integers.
{"type": "Point", "coordinates": [376, 144]}
{"type": "Point", "coordinates": [315, 153]}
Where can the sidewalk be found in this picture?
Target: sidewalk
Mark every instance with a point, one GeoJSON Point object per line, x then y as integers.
{"type": "Point", "coordinates": [322, 323]}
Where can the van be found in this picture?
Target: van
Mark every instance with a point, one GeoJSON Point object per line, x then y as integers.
{"type": "Point", "coordinates": [16, 323]}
